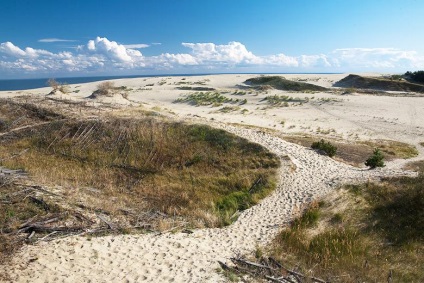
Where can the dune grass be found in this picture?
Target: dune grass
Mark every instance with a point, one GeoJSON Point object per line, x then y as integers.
{"type": "Point", "coordinates": [283, 100]}
{"type": "Point", "coordinates": [214, 99]}
{"type": "Point", "coordinates": [170, 167]}
{"type": "Point", "coordinates": [130, 170]}
{"type": "Point", "coordinates": [196, 88]}
{"type": "Point", "coordinates": [363, 233]}
{"type": "Point", "coordinates": [281, 83]}
{"type": "Point", "coordinates": [13, 115]}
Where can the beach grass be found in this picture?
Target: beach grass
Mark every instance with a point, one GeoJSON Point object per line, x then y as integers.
{"type": "Point", "coordinates": [125, 168]}
{"type": "Point", "coordinates": [362, 233]}
{"type": "Point", "coordinates": [214, 99]}
{"type": "Point", "coordinates": [283, 100]}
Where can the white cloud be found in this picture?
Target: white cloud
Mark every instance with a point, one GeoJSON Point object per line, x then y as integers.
{"type": "Point", "coordinates": [320, 61]}
{"type": "Point", "coordinates": [10, 49]}
{"type": "Point", "coordinates": [231, 53]}
{"type": "Point", "coordinates": [136, 46]}
{"type": "Point", "coordinates": [377, 58]}
{"type": "Point", "coordinates": [50, 40]}
{"type": "Point", "coordinates": [281, 60]}
{"type": "Point", "coordinates": [111, 49]}
{"type": "Point", "coordinates": [104, 55]}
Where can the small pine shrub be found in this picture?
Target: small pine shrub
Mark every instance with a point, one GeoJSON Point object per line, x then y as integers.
{"type": "Point", "coordinates": [375, 160]}
{"type": "Point", "coordinates": [324, 147]}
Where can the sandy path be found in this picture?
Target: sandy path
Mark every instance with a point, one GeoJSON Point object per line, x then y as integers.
{"type": "Point", "coordinates": [191, 258]}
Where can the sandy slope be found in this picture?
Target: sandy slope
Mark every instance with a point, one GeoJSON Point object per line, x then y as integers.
{"type": "Point", "coordinates": [193, 257]}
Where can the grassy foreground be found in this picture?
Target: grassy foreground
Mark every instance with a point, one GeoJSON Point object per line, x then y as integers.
{"type": "Point", "coordinates": [363, 233]}
{"type": "Point", "coordinates": [131, 170]}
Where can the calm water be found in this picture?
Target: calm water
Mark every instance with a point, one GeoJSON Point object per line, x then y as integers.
{"type": "Point", "coordinates": [38, 83]}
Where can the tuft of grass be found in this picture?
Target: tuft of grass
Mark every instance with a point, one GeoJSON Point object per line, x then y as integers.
{"type": "Point", "coordinates": [283, 100]}
{"type": "Point", "coordinates": [206, 98]}
{"type": "Point", "coordinates": [58, 86]}
{"type": "Point", "coordinates": [324, 147]}
{"type": "Point", "coordinates": [309, 218]}
{"type": "Point", "coordinates": [422, 144]}
{"type": "Point", "coordinates": [199, 88]}
{"type": "Point", "coordinates": [228, 109]}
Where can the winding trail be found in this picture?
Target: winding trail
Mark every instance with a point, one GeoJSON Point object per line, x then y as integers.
{"type": "Point", "coordinates": [181, 257]}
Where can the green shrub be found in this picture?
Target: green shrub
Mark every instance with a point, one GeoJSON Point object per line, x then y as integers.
{"type": "Point", "coordinates": [324, 147]}
{"type": "Point", "coordinates": [375, 160]}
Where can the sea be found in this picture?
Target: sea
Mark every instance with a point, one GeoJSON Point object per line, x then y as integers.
{"type": "Point", "coordinates": [22, 84]}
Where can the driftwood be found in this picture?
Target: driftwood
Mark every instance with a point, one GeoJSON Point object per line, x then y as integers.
{"type": "Point", "coordinates": [48, 229]}
{"type": "Point", "coordinates": [269, 269]}
{"type": "Point", "coordinates": [40, 202]}
{"type": "Point", "coordinates": [252, 188]}
{"type": "Point", "coordinates": [108, 223]}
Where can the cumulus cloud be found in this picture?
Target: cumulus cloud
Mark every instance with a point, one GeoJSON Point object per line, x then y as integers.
{"type": "Point", "coordinates": [10, 49]}
{"type": "Point", "coordinates": [104, 55]}
{"type": "Point", "coordinates": [232, 53]}
{"type": "Point", "coordinates": [112, 50]}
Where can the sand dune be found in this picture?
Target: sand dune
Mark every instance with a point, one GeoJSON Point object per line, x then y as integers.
{"type": "Point", "coordinates": [180, 257]}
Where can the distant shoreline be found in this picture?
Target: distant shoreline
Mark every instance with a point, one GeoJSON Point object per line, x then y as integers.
{"type": "Point", "coordinates": [25, 84]}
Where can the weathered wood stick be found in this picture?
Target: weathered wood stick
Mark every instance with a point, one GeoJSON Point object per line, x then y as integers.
{"type": "Point", "coordinates": [109, 224]}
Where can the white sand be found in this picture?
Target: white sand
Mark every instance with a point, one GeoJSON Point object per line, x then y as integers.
{"type": "Point", "coordinates": [193, 257]}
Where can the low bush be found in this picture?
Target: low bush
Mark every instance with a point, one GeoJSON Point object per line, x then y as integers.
{"type": "Point", "coordinates": [324, 147]}
{"type": "Point", "coordinates": [57, 86]}
{"type": "Point", "coordinates": [375, 160]}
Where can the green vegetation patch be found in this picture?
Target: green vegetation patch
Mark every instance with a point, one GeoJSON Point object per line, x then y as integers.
{"type": "Point", "coordinates": [283, 100]}
{"type": "Point", "coordinates": [207, 98]}
{"type": "Point", "coordinates": [281, 83]}
{"type": "Point", "coordinates": [324, 147]}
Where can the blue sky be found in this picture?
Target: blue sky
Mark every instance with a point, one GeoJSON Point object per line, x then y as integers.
{"type": "Point", "coordinates": [84, 38]}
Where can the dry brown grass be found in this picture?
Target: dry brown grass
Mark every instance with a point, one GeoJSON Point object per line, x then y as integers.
{"type": "Point", "coordinates": [148, 173]}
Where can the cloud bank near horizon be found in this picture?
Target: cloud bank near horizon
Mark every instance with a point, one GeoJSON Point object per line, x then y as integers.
{"type": "Point", "coordinates": [103, 55]}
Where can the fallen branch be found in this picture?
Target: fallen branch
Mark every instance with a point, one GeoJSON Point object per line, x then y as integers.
{"type": "Point", "coordinates": [268, 271]}
{"type": "Point", "coordinates": [40, 202]}
{"type": "Point", "coordinates": [109, 224]}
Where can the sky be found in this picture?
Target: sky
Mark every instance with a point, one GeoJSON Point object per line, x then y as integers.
{"type": "Point", "coordinates": [64, 38]}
